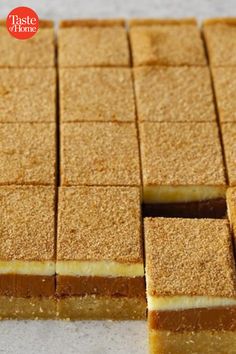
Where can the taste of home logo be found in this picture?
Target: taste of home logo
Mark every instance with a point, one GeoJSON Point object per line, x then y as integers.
{"type": "Point", "coordinates": [22, 22]}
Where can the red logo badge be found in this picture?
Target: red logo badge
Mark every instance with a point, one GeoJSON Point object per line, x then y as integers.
{"type": "Point", "coordinates": [22, 22]}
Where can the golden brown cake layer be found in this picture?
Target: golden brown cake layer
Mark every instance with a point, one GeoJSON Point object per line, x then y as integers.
{"type": "Point", "coordinates": [162, 21]}
{"type": "Point", "coordinates": [28, 154]}
{"type": "Point", "coordinates": [92, 23]}
{"type": "Point", "coordinates": [27, 229]}
{"type": "Point", "coordinates": [195, 319]}
{"type": "Point", "coordinates": [214, 208]}
{"type": "Point", "coordinates": [25, 97]}
{"type": "Point", "coordinates": [102, 286]}
{"type": "Point", "coordinates": [101, 307]}
{"type": "Point", "coordinates": [21, 285]}
{"type": "Point", "coordinates": [207, 342]}
{"type": "Point", "coordinates": [229, 141]}
{"type": "Point", "coordinates": [97, 94]}
{"type": "Point", "coordinates": [177, 94]}
{"type": "Point", "coordinates": [189, 257]}
{"type": "Point", "coordinates": [99, 224]}
{"type": "Point", "coordinates": [27, 308]}
{"type": "Point", "coordinates": [181, 154]}
{"type": "Point", "coordinates": [99, 153]}
{"type": "Point", "coordinates": [167, 43]}
{"type": "Point", "coordinates": [36, 52]}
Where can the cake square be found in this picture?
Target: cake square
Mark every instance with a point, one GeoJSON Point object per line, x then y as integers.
{"type": "Point", "coordinates": [167, 43]}
{"type": "Point", "coordinates": [36, 52]}
{"type": "Point", "coordinates": [229, 141]}
{"type": "Point", "coordinates": [99, 154]}
{"type": "Point", "coordinates": [28, 154]}
{"type": "Point", "coordinates": [93, 43]}
{"type": "Point", "coordinates": [100, 273]}
{"type": "Point", "coordinates": [97, 94]}
{"type": "Point", "coordinates": [178, 94]}
{"type": "Point", "coordinates": [183, 170]}
{"type": "Point", "coordinates": [191, 286]}
{"type": "Point", "coordinates": [220, 38]}
{"type": "Point", "coordinates": [231, 208]}
{"type": "Point", "coordinates": [225, 88]}
{"type": "Point", "coordinates": [27, 252]}
{"type": "Point", "coordinates": [27, 95]}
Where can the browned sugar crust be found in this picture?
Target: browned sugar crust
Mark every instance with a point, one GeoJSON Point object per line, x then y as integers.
{"type": "Point", "coordinates": [101, 286]}
{"type": "Point", "coordinates": [28, 154]}
{"type": "Point", "coordinates": [93, 46]}
{"type": "Point", "coordinates": [225, 88]}
{"type": "Point", "coordinates": [26, 286]}
{"type": "Point", "coordinates": [167, 45]}
{"type": "Point", "coordinates": [99, 153]}
{"type": "Point", "coordinates": [201, 319]}
{"type": "Point", "coordinates": [27, 223]}
{"type": "Point", "coordinates": [220, 38]}
{"type": "Point", "coordinates": [27, 95]}
{"type": "Point", "coordinates": [191, 257]}
{"type": "Point", "coordinates": [92, 23]}
{"type": "Point", "coordinates": [181, 154]}
{"type": "Point", "coordinates": [36, 52]}
{"type": "Point", "coordinates": [231, 21]}
{"type": "Point", "coordinates": [99, 224]}
{"type": "Point", "coordinates": [96, 94]}
{"type": "Point", "coordinates": [213, 208]}
{"type": "Point", "coordinates": [229, 141]}
{"type": "Point", "coordinates": [161, 21]}
{"type": "Point", "coordinates": [178, 94]}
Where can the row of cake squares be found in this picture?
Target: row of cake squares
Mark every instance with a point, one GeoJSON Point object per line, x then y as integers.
{"type": "Point", "coordinates": [106, 94]}
{"type": "Point", "coordinates": [106, 43]}
{"type": "Point", "coordinates": [163, 94]}
{"type": "Point", "coordinates": [88, 263]}
{"type": "Point", "coordinates": [182, 163]}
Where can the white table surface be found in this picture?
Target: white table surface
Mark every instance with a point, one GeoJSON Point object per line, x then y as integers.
{"type": "Point", "coordinates": [105, 337]}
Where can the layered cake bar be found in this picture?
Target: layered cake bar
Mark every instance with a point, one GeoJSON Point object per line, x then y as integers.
{"type": "Point", "coordinates": [27, 95]}
{"type": "Point", "coordinates": [191, 286]}
{"type": "Point", "coordinates": [229, 141]}
{"type": "Point", "coordinates": [28, 154]}
{"type": "Point", "coordinates": [93, 43]}
{"type": "Point", "coordinates": [183, 170]}
{"type": "Point", "coordinates": [166, 42]}
{"type": "Point", "coordinates": [99, 266]}
{"type": "Point", "coordinates": [220, 34]}
{"type": "Point", "coordinates": [99, 153]}
{"type": "Point", "coordinates": [225, 89]}
{"type": "Point", "coordinates": [27, 252]}
{"type": "Point", "coordinates": [96, 94]}
{"type": "Point", "coordinates": [178, 94]}
{"type": "Point", "coordinates": [36, 52]}
{"type": "Point", "coordinates": [231, 207]}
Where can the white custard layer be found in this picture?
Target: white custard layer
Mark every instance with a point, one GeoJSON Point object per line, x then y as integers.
{"type": "Point", "coordinates": [99, 268]}
{"type": "Point", "coordinates": [28, 267]}
{"type": "Point", "coordinates": [177, 194]}
{"type": "Point", "coordinates": [172, 303]}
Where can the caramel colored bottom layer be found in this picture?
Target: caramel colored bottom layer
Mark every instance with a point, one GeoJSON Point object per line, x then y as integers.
{"type": "Point", "coordinates": [214, 208]}
{"type": "Point", "coordinates": [212, 318]}
{"type": "Point", "coordinates": [100, 308]}
{"type": "Point", "coordinates": [102, 286]}
{"type": "Point", "coordinates": [27, 308]}
{"type": "Point", "coordinates": [203, 342]}
{"type": "Point", "coordinates": [21, 285]}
